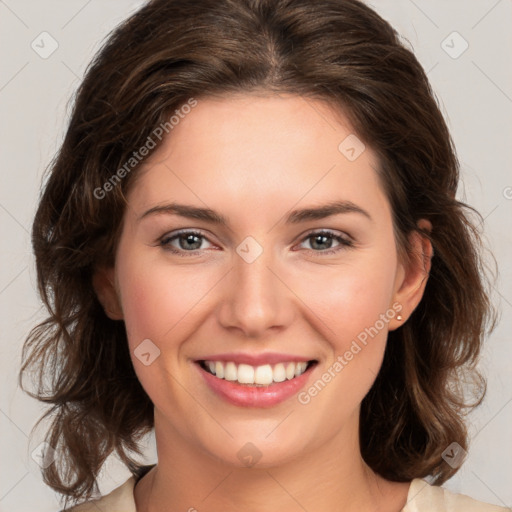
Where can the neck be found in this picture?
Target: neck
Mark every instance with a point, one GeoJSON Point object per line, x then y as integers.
{"type": "Point", "coordinates": [188, 479]}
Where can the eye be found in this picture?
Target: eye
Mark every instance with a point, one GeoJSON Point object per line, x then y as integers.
{"type": "Point", "coordinates": [321, 242]}
{"type": "Point", "coordinates": [191, 242]}
{"type": "Point", "coordinates": [183, 242]}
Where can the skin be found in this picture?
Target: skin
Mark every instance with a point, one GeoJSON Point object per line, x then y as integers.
{"type": "Point", "coordinates": [253, 159]}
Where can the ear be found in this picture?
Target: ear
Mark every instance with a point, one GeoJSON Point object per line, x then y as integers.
{"type": "Point", "coordinates": [413, 274]}
{"type": "Point", "coordinates": [103, 284]}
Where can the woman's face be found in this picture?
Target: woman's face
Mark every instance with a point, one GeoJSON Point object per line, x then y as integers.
{"type": "Point", "coordinates": [253, 281]}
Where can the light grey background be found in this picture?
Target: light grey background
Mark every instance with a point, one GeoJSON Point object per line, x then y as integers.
{"type": "Point", "coordinates": [475, 92]}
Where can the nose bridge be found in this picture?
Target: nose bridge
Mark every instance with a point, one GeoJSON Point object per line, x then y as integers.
{"type": "Point", "coordinates": [255, 299]}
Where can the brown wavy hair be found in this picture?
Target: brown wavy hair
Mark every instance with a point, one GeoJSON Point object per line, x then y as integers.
{"type": "Point", "coordinates": [169, 51]}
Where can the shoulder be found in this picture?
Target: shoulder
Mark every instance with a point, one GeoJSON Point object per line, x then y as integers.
{"type": "Point", "coordinates": [424, 497]}
{"type": "Point", "coordinates": [119, 500]}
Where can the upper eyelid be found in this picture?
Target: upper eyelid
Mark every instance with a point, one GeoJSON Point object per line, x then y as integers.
{"type": "Point", "coordinates": [171, 235]}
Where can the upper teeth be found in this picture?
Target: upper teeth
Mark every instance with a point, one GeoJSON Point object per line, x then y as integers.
{"type": "Point", "coordinates": [264, 375]}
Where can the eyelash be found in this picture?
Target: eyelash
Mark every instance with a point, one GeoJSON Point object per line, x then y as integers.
{"type": "Point", "coordinates": [345, 243]}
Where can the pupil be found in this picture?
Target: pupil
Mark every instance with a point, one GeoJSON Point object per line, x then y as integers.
{"type": "Point", "coordinates": [189, 239]}
{"type": "Point", "coordinates": [323, 239]}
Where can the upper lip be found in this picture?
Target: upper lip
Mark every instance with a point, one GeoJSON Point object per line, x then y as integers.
{"type": "Point", "coordinates": [256, 359]}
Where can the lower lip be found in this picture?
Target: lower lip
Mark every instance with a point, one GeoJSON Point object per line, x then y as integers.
{"type": "Point", "coordinates": [244, 395]}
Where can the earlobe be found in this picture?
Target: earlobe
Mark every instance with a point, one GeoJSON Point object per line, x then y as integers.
{"type": "Point", "coordinates": [414, 273]}
{"type": "Point", "coordinates": [104, 286]}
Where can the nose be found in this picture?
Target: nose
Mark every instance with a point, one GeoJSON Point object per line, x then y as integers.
{"type": "Point", "coordinates": [255, 299]}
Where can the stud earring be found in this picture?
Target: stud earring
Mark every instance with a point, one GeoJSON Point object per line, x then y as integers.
{"type": "Point", "coordinates": [399, 318]}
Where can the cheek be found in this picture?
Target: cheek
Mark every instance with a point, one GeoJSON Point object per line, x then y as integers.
{"type": "Point", "coordinates": [350, 303]}
{"type": "Point", "coordinates": [157, 304]}
{"type": "Point", "coordinates": [152, 302]}
{"type": "Point", "coordinates": [159, 301]}
{"type": "Point", "coordinates": [352, 298]}
{"type": "Point", "coordinates": [355, 306]}
{"type": "Point", "coordinates": [145, 302]}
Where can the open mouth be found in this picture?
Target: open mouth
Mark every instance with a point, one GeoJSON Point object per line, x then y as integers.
{"type": "Point", "coordinates": [256, 376]}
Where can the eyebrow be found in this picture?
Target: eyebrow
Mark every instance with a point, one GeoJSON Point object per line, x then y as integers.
{"type": "Point", "coordinates": [294, 217]}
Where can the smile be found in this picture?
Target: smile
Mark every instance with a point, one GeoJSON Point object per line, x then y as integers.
{"type": "Point", "coordinates": [263, 375]}
{"type": "Point", "coordinates": [255, 385]}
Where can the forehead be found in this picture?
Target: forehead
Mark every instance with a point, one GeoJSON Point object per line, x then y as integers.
{"type": "Point", "coordinates": [260, 152]}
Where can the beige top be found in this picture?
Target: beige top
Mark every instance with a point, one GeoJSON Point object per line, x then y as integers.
{"type": "Point", "coordinates": [422, 497]}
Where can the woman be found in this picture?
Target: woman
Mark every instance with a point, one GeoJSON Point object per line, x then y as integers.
{"type": "Point", "coordinates": [250, 242]}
